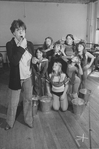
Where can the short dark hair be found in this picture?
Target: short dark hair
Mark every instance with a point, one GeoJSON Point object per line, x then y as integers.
{"type": "Point", "coordinates": [81, 42]}
{"type": "Point", "coordinates": [57, 43]}
{"type": "Point", "coordinates": [16, 24]}
{"type": "Point", "coordinates": [41, 50]}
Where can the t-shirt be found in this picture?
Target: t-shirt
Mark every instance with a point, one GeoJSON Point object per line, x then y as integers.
{"type": "Point", "coordinates": [24, 65]}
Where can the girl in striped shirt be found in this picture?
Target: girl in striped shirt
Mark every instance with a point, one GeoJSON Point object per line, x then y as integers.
{"type": "Point", "coordinates": [57, 86]}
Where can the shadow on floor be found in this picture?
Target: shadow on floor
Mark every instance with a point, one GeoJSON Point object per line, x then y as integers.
{"type": "Point", "coordinates": [70, 107]}
{"type": "Point", "coordinates": [3, 109]}
{"type": "Point", "coordinates": [2, 122]}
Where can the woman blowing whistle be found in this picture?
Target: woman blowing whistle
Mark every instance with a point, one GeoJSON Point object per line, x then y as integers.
{"type": "Point", "coordinates": [20, 52]}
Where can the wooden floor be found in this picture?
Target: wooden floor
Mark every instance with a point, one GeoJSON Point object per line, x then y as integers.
{"type": "Point", "coordinates": [52, 130]}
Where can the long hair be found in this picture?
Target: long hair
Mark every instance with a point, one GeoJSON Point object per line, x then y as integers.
{"type": "Point", "coordinates": [83, 56]}
{"type": "Point", "coordinates": [73, 44]}
{"type": "Point", "coordinates": [70, 36]}
{"type": "Point", "coordinates": [45, 45]}
{"type": "Point", "coordinates": [59, 71]}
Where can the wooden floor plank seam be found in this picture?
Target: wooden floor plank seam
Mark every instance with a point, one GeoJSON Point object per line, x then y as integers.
{"type": "Point", "coordinates": [68, 129]}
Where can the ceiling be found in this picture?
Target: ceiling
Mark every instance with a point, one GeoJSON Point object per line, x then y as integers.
{"type": "Point", "coordinates": [56, 1]}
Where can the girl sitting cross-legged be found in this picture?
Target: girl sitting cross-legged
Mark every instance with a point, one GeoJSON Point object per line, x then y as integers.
{"type": "Point", "coordinates": [57, 86]}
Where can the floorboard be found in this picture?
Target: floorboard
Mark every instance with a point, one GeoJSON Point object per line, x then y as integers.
{"type": "Point", "coordinates": [54, 129]}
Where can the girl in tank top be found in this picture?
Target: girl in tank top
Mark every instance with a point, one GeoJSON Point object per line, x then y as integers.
{"type": "Point", "coordinates": [84, 56]}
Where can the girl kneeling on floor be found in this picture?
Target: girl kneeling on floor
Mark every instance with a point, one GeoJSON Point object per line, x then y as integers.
{"type": "Point", "coordinates": [57, 86]}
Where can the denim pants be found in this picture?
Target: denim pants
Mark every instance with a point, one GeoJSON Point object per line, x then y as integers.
{"type": "Point", "coordinates": [27, 88]}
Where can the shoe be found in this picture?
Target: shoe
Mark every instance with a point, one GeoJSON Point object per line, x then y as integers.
{"type": "Point", "coordinates": [7, 127]}
{"type": "Point", "coordinates": [29, 125]}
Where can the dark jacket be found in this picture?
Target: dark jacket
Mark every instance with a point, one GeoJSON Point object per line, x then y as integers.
{"type": "Point", "coordinates": [14, 54]}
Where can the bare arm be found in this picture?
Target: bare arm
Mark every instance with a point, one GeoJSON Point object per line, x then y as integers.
{"type": "Point", "coordinates": [65, 86]}
{"type": "Point", "coordinates": [80, 71]}
{"type": "Point", "coordinates": [49, 49]}
{"type": "Point", "coordinates": [89, 55]}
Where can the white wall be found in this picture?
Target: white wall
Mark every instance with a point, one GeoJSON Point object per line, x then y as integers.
{"type": "Point", "coordinates": [43, 19]}
{"type": "Point", "coordinates": [97, 23]}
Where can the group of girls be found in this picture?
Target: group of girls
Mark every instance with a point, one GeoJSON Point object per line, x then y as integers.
{"type": "Point", "coordinates": [60, 69]}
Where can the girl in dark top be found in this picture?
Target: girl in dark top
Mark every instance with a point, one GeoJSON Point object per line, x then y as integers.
{"type": "Point", "coordinates": [48, 47]}
{"type": "Point", "coordinates": [40, 72]}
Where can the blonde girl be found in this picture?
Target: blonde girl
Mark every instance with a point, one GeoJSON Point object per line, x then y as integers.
{"type": "Point", "coordinates": [57, 86]}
